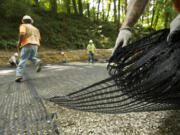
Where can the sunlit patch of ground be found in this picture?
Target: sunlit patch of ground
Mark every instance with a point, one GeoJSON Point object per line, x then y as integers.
{"type": "Point", "coordinates": [6, 72]}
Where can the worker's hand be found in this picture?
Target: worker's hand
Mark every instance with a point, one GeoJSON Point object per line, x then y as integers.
{"type": "Point", "coordinates": [174, 29]}
{"type": "Point", "coordinates": [18, 43]}
{"type": "Point", "coordinates": [173, 36]}
{"type": "Point", "coordinates": [123, 37]}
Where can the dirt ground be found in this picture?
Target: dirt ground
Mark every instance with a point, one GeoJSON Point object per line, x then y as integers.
{"type": "Point", "coordinates": [54, 56]}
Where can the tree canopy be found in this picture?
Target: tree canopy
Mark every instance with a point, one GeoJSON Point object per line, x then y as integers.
{"type": "Point", "coordinates": [76, 21]}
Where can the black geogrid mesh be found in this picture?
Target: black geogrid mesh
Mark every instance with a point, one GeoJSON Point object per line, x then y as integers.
{"type": "Point", "coordinates": [22, 111]}
{"type": "Point", "coordinates": [144, 77]}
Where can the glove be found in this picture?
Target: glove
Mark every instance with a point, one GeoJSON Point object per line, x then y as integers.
{"type": "Point", "coordinates": [123, 37]}
{"type": "Point", "coordinates": [18, 43]}
{"type": "Point", "coordinates": [174, 36]}
{"type": "Point", "coordinates": [174, 29]}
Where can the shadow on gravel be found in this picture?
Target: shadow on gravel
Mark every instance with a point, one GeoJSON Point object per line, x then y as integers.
{"type": "Point", "coordinates": [170, 125]}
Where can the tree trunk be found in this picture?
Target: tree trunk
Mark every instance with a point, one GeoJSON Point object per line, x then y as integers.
{"type": "Point", "coordinates": [122, 9]}
{"type": "Point", "coordinates": [115, 11]}
{"type": "Point", "coordinates": [53, 5]}
{"type": "Point", "coordinates": [119, 13]}
{"type": "Point", "coordinates": [68, 7]}
{"type": "Point", "coordinates": [80, 7]}
{"type": "Point", "coordinates": [36, 3]}
{"type": "Point", "coordinates": [94, 12]}
{"type": "Point", "coordinates": [88, 10]}
{"type": "Point", "coordinates": [142, 18]}
{"type": "Point", "coordinates": [148, 21]}
{"type": "Point", "coordinates": [103, 10]}
{"type": "Point", "coordinates": [125, 6]}
{"type": "Point", "coordinates": [109, 8]}
{"type": "Point", "coordinates": [153, 13]}
{"type": "Point", "coordinates": [74, 6]}
{"type": "Point", "coordinates": [156, 18]}
{"type": "Point", "coordinates": [98, 9]}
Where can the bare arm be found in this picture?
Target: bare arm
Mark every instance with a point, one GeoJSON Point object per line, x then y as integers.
{"type": "Point", "coordinates": [135, 10]}
{"type": "Point", "coordinates": [21, 37]}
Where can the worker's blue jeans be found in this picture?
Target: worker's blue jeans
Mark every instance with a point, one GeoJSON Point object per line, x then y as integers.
{"type": "Point", "coordinates": [91, 56]}
{"type": "Point", "coordinates": [28, 52]}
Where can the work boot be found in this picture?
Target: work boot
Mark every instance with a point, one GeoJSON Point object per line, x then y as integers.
{"type": "Point", "coordinates": [18, 78]}
{"type": "Point", "coordinates": [38, 66]}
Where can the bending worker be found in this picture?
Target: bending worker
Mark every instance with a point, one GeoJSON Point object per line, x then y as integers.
{"type": "Point", "coordinates": [64, 57]}
{"type": "Point", "coordinates": [90, 51]}
{"type": "Point", "coordinates": [29, 42]}
{"type": "Point", "coordinates": [135, 10]}
{"type": "Point", "coordinates": [13, 60]}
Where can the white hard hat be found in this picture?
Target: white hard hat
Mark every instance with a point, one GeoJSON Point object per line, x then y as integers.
{"type": "Point", "coordinates": [15, 54]}
{"type": "Point", "coordinates": [27, 17]}
{"type": "Point", "coordinates": [62, 53]}
{"type": "Point", "coordinates": [90, 41]}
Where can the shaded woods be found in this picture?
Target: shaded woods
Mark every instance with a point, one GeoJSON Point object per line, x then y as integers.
{"type": "Point", "coordinates": [69, 24]}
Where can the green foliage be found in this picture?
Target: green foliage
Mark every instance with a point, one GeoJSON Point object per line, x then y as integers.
{"type": "Point", "coordinates": [162, 16]}
{"type": "Point", "coordinates": [7, 44]}
{"type": "Point", "coordinates": [13, 10]}
{"type": "Point", "coordinates": [140, 31]}
{"type": "Point", "coordinates": [60, 31]}
{"type": "Point", "coordinates": [65, 30]}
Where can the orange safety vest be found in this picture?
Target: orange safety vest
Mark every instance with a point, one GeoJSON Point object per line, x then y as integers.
{"type": "Point", "coordinates": [32, 35]}
{"type": "Point", "coordinates": [10, 60]}
{"type": "Point", "coordinates": [64, 56]}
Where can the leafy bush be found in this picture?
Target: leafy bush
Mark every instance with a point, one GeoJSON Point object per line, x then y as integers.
{"type": "Point", "coordinates": [59, 32]}
{"type": "Point", "coordinates": [16, 9]}
{"type": "Point", "coordinates": [7, 44]}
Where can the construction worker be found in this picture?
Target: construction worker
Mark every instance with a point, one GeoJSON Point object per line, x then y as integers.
{"type": "Point", "coordinates": [63, 57]}
{"type": "Point", "coordinates": [90, 51]}
{"type": "Point", "coordinates": [13, 60]}
{"type": "Point", "coordinates": [29, 41]}
{"type": "Point", "coordinates": [135, 10]}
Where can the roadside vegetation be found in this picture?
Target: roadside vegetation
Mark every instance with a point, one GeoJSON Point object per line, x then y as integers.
{"type": "Point", "coordinates": [70, 24]}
